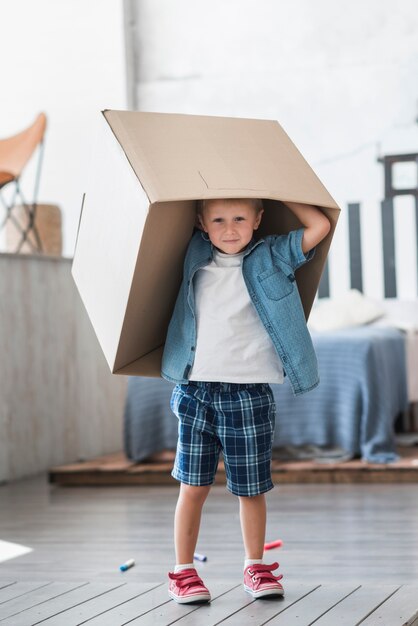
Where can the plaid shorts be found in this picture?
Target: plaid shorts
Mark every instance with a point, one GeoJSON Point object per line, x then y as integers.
{"type": "Point", "coordinates": [237, 419]}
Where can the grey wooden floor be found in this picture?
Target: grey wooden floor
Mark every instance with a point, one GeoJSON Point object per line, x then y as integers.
{"type": "Point", "coordinates": [107, 604]}
{"type": "Point", "coordinates": [348, 551]}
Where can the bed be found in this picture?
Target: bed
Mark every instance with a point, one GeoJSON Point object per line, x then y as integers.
{"type": "Point", "coordinates": [368, 363]}
{"type": "Point", "coordinates": [367, 380]}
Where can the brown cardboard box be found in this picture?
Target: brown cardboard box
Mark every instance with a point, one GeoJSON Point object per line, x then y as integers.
{"type": "Point", "coordinates": [139, 213]}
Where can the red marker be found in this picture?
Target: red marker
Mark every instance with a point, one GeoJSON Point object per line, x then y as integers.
{"type": "Point", "coordinates": [273, 544]}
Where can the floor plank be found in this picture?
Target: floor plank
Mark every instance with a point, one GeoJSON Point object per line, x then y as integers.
{"type": "Point", "coordinates": [222, 605]}
{"type": "Point", "coordinates": [35, 597]}
{"type": "Point", "coordinates": [130, 610]}
{"type": "Point", "coordinates": [171, 612]}
{"type": "Point", "coordinates": [99, 605]}
{"type": "Point", "coordinates": [355, 607]}
{"type": "Point", "coordinates": [19, 589]}
{"type": "Point", "coordinates": [312, 606]}
{"type": "Point", "coordinates": [401, 609]}
{"type": "Point", "coordinates": [260, 611]}
{"type": "Point", "coordinates": [59, 605]}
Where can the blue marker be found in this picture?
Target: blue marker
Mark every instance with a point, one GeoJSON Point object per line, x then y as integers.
{"type": "Point", "coordinates": [200, 557]}
{"type": "Point", "coordinates": [127, 565]}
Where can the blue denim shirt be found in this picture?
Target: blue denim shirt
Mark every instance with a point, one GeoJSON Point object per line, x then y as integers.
{"type": "Point", "coordinates": [268, 269]}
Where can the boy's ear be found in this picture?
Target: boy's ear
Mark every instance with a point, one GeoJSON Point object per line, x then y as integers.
{"type": "Point", "coordinates": [198, 222]}
{"type": "Point", "coordinates": [258, 220]}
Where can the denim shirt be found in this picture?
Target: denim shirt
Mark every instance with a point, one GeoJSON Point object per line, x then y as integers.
{"type": "Point", "coordinates": [268, 269]}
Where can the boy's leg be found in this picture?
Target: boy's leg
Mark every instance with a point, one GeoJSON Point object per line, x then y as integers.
{"type": "Point", "coordinates": [195, 464]}
{"type": "Point", "coordinates": [248, 416]}
{"type": "Point", "coordinates": [187, 521]}
{"type": "Point", "coordinates": [259, 579]}
{"type": "Point", "coordinates": [195, 467]}
{"type": "Point", "coordinates": [253, 524]}
{"type": "Point", "coordinates": [185, 585]}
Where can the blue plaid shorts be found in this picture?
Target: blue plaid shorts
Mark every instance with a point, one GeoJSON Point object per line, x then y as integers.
{"type": "Point", "coordinates": [237, 419]}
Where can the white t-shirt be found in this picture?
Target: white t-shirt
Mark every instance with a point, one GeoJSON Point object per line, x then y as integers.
{"type": "Point", "coordinates": [232, 344]}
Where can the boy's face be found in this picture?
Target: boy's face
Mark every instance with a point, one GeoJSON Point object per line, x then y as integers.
{"type": "Point", "coordinates": [230, 225]}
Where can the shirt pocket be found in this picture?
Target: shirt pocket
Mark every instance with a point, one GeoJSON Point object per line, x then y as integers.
{"type": "Point", "coordinates": [276, 284]}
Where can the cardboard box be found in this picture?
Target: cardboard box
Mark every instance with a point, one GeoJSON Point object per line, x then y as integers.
{"type": "Point", "coordinates": [139, 212]}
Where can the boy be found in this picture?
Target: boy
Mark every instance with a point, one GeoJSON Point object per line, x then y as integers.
{"type": "Point", "coordinates": [238, 325]}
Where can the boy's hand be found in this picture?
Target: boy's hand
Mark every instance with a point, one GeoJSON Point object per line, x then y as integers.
{"type": "Point", "coordinates": [317, 225]}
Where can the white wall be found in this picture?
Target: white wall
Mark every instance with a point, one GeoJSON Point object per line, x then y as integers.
{"type": "Point", "coordinates": [58, 400]}
{"type": "Point", "coordinates": [66, 58]}
{"type": "Point", "coordinates": [341, 77]}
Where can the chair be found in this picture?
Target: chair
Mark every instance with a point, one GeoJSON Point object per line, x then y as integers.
{"type": "Point", "coordinates": [15, 152]}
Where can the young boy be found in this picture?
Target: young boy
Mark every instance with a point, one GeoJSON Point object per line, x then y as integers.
{"type": "Point", "coordinates": [238, 325]}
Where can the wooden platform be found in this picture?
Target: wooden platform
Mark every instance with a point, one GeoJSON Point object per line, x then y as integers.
{"type": "Point", "coordinates": [116, 469]}
{"type": "Point", "coordinates": [107, 604]}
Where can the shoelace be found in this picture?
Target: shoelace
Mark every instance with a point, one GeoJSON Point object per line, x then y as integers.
{"type": "Point", "coordinates": [262, 572]}
{"type": "Point", "coordinates": [186, 578]}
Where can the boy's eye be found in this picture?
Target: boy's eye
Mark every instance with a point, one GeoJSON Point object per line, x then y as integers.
{"type": "Point", "coordinates": [218, 220]}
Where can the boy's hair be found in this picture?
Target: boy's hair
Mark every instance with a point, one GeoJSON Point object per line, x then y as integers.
{"type": "Point", "coordinates": [256, 203]}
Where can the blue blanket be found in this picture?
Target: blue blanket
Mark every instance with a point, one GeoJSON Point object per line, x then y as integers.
{"type": "Point", "coordinates": [362, 390]}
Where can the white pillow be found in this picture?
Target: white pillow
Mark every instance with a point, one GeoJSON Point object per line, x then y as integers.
{"type": "Point", "coordinates": [350, 309]}
{"type": "Point", "coordinates": [402, 314]}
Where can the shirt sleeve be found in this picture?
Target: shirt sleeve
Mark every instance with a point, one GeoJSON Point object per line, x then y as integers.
{"type": "Point", "coordinates": [289, 248]}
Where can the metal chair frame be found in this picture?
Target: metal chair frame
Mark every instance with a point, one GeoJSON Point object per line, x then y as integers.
{"type": "Point", "coordinates": [29, 207]}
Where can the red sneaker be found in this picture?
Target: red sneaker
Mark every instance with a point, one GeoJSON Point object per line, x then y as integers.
{"type": "Point", "coordinates": [186, 586]}
{"type": "Point", "coordinates": [260, 582]}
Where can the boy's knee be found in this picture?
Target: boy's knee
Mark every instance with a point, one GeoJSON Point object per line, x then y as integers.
{"type": "Point", "coordinates": [259, 497]}
{"type": "Point", "coordinates": [194, 493]}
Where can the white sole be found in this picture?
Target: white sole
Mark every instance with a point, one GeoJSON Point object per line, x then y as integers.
{"type": "Point", "coordinates": [201, 597]}
{"type": "Point", "coordinates": [265, 593]}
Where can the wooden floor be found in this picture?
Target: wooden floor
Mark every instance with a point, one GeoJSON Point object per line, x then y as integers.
{"type": "Point", "coordinates": [70, 604]}
{"type": "Point", "coordinates": [116, 469]}
{"type": "Point", "coordinates": [349, 555]}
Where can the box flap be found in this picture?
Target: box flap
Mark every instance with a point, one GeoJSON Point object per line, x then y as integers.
{"type": "Point", "coordinates": [115, 210]}
{"type": "Point", "coordinates": [180, 157]}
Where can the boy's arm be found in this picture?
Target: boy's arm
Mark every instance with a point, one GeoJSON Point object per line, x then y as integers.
{"type": "Point", "coordinates": [317, 225]}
